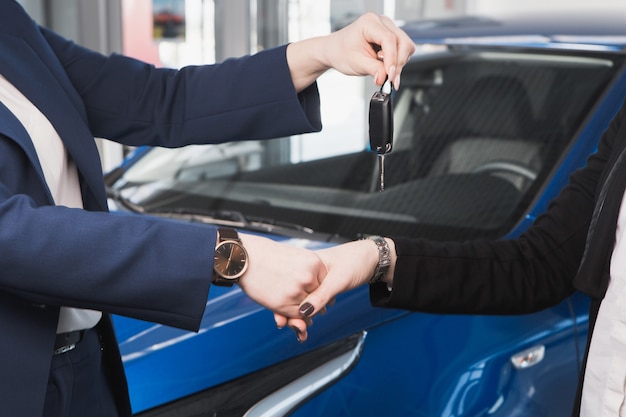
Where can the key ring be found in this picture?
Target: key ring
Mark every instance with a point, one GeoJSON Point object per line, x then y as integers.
{"type": "Point", "coordinates": [387, 81]}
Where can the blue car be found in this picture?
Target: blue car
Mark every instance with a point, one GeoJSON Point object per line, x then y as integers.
{"type": "Point", "coordinates": [491, 119]}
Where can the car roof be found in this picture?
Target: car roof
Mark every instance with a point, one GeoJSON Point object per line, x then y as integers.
{"type": "Point", "coordinates": [592, 30]}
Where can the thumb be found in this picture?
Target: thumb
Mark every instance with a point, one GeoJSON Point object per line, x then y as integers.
{"type": "Point", "coordinates": [316, 301]}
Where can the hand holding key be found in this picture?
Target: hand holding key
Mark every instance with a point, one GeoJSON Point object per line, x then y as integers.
{"type": "Point", "coordinates": [381, 127]}
{"type": "Point", "coordinates": [371, 45]}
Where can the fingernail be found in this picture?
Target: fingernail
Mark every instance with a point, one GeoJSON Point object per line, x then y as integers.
{"type": "Point", "coordinates": [297, 332]}
{"type": "Point", "coordinates": [396, 82]}
{"type": "Point", "coordinates": [306, 309]}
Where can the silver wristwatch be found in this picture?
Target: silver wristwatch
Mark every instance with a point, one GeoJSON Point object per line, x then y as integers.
{"type": "Point", "coordinates": [384, 258]}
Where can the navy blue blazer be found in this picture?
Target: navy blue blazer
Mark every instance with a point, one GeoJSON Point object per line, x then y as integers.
{"type": "Point", "coordinates": [135, 266]}
{"type": "Point", "coordinates": [567, 249]}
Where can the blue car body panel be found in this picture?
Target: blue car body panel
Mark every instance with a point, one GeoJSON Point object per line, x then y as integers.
{"type": "Point", "coordinates": [451, 382]}
{"type": "Point", "coordinates": [462, 364]}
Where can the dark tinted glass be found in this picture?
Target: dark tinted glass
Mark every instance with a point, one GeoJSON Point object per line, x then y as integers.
{"type": "Point", "coordinates": [476, 134]}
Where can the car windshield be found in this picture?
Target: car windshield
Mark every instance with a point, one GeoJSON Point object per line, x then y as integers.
{"type": "Point", "coordinates": [477, 132]}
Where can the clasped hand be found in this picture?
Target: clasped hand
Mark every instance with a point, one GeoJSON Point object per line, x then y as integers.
{"type": "Point", "coordinates": [296, 283]}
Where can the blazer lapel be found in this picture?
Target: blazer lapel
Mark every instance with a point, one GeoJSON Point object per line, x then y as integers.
{"type": "Point", "coordinates": [34, 77]}
{"type": "Point", "coordinates": [11, 127]}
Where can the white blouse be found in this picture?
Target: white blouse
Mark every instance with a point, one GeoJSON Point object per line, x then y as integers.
{"type": "Point", "coordinates": [61, 177]}
{"type": "Point", "coordinates": [605, 374]}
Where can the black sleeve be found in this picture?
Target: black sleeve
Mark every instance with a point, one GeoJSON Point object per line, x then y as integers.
{"type": "Point", "coordinates": [517, 276]}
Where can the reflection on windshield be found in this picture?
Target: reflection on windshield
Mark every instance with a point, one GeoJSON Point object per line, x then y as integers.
{"type": "Point", "coordinates": [195, 162]}
{"type": "Point", "coordinates": [476, 134]}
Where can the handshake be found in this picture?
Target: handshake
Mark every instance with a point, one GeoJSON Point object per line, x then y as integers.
{"type": "Point", "coordinates": [296, 283]}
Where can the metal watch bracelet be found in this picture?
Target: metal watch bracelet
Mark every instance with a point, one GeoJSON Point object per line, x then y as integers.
{"type": "Point", "coordinates": [384, 258]}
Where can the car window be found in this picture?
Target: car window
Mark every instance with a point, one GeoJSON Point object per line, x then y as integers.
{"type": "Point", "coordinates": [477, 132]}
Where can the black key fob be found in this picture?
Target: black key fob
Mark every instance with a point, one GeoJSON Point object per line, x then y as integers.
{"type": "Point", "coordinates": [381, 121]}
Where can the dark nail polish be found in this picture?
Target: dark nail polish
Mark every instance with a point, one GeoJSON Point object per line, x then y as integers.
{"type": "Point", "coordinates": [307, 309]}
{"type": "Point", "coordinates": [297, 332]}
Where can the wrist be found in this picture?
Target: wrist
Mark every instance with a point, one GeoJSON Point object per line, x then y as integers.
{"type": "Point", "coordinates": [306, 62]}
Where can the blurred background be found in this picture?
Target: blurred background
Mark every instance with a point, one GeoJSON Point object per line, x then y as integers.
{"type": "Point", "coordinates": [174, 33]}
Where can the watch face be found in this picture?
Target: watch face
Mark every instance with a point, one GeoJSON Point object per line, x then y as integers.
{"type": "Point", "coordinates": [230, 260]}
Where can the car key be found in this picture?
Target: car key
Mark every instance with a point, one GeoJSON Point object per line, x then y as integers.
{"type": "Point", "coordinates": [381, 127]}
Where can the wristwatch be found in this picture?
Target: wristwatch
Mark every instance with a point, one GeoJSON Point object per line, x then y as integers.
{"type": "Point", "coordinates": [384, 259]}
{"type": "Point", "coordinates": [230, 260]}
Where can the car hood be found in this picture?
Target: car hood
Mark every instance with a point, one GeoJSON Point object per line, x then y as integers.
{"type": "Point", "coordinates": [593, 30]}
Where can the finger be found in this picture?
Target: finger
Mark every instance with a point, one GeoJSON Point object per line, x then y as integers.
{"type": "Point", "coordinates": [376, 66]}
{"type": "Point", "coordinates": [379, 77]}
{"type": "Point", "coordinates": [299, 327]}
{"type": "Point", "coordinates": [319, 273]}
{"type": "Point", "coordinates": [404, 48]}
{"type": "Point", "coordinates": [281, 321]}
{"type": "Point", "coordinates": [316, 301]}
{"type": "Point", "coordinates": [387, 40]}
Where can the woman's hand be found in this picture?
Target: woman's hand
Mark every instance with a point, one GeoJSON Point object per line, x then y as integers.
{"type": "Point", "coordinates": [280, 277]}
{"type": "Point", "coordinates": [348, 266]}
{"type": "Point", "coordinates": [372, 45]}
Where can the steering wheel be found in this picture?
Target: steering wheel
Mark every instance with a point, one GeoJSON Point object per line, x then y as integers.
{"type": "Point", "coordinates": [507, 166]}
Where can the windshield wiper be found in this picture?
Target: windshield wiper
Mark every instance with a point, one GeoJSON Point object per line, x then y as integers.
{"type": "Point", "coordinates": [229, 218]}
{"type": "Point", "coordinates": [233, 219]}
{"type": "Point", "coordinates": [124, 202]}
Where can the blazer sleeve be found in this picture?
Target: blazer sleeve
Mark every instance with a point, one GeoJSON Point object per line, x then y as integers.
{"type": "Point", "coordinates": [515, 276]}
{"type": "Point", "coordinates": [137, 266]}
{"type": "Point", "coordinates": [135, 103]}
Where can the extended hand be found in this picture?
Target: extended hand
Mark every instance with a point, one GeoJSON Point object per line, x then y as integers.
{"type": "Point", "coordinates": [349, 266]}
{"type": "Point", "coordinates": [279, 277]}
{"type": "Point", "coordinates": [353, 50]}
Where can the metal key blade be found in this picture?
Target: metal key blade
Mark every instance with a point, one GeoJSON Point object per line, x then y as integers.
{"type": "Point", "coordinates": [381, 170]}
